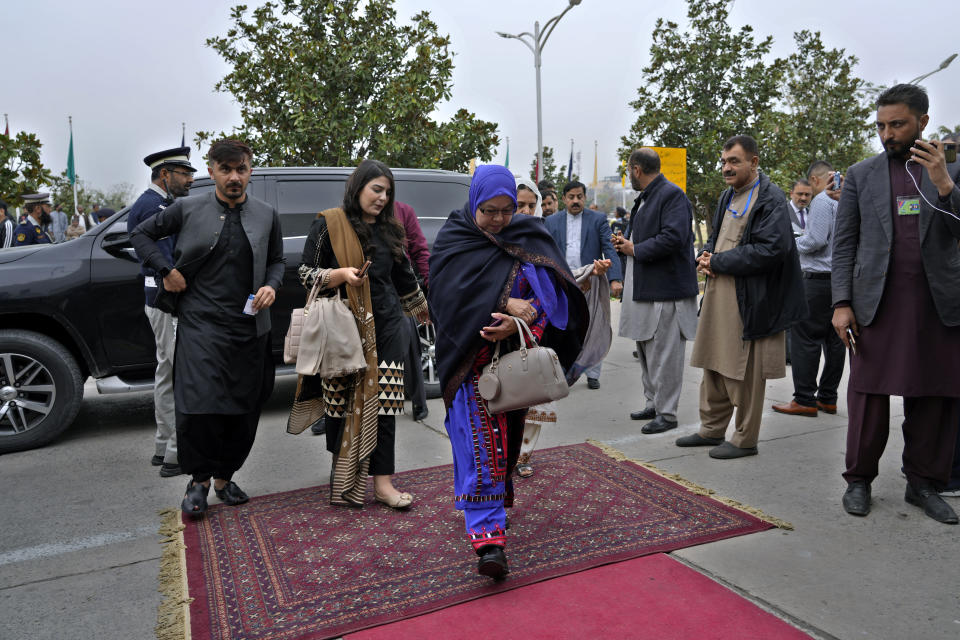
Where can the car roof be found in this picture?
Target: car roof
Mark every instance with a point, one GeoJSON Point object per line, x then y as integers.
{"type": "Point", "coordinates": [346, 171]}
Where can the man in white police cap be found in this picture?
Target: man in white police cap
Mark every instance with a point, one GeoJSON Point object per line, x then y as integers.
{"type": "Point", "coordinates": [171, 175]}
{"type": "Point", "coordinates": [31, 230]}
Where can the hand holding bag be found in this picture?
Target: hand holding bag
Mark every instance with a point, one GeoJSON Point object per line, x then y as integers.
{"type": "Point", "coordinates": [329, 339]}
{"type": "Point", "coordinates": [523, 378]}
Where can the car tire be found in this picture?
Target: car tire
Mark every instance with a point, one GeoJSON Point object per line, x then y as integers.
{"type": "Point", "coordinates": [41, 387]}
{"type": "Point", "coordinates": [431, 377]}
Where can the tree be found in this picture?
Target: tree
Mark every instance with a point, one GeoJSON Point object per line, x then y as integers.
{"type": "Point", "coordinates": [826, 112]}
{"type": "Point", "coordinates": [701, 87]}
{"type": "Point", "coordinates": [328, 82]}
{"type": "Point", "coordinates": [116, 197]}
{"type": "Point", "coordinates": [20, 168]}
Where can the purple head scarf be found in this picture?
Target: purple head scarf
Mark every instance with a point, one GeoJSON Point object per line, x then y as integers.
{"type": "Point", "coordinates": [490, 181]}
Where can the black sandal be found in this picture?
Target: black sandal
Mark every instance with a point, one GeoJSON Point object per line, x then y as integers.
{"type": "Point", "coordinates": [195, 502]}
{"type": "Point", "coordinates": [231, 494]}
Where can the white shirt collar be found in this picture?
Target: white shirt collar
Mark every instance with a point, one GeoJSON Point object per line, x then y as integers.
{"type": "Point", "coordinates": [159, 190]}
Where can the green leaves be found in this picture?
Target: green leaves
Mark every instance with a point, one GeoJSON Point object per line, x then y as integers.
{"type": "Point", "coordinates": [20, 168]}
{"type": "Point", "coordinates": [331, 82]}
{"type": "Point", "coordinates": [708, 83]}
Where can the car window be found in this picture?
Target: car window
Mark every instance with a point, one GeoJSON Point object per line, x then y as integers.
{"type": "Point", "coordinates": [298, 202]}
{"type": "Point", "coordinates": [432, 199]}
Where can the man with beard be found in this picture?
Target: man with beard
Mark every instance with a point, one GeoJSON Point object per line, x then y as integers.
{"type": "Point", "coordinates": [227, 267]}
{"type": "Point", "coordinates": [31, 230]}
{"type": "Point", "coordinates": [897, 293]}
{"type": "Point", "coordinates": [753, 292]}
{"type": "Point", "coordinates": [659, 310]}
{"type": "Point", "coordinates": [584, 236]}
{"type": "Point", "coordinates": [171, 175]}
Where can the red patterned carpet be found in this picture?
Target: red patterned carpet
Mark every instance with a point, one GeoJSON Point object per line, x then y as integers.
{"type": "Point", "coordinates": [289, 566]}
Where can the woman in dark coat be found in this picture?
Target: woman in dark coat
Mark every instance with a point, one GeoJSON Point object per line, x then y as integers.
{"type": "Point", "coordinates": [361, 408]}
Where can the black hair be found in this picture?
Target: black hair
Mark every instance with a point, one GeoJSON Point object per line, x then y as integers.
{"type": "Point", "coordinates": [228, 150]}
{"type": "Point", "coordinates": [801, 181]}
{"type": "Point", "coordinates": [623, 212]}
{"type": "Point", "coordinates": [912, 95]}
{"type": "Point", "coordinates": [818, 167]}
{"type": "Point", "coordinates": [548, 192]}
{"type": "Point", "coordinates": [523, 186]}
{"type": "Point", "coordinates": [647, 159]}
{"type": "Point", "coordinates": [155, 172]}
{"type": "Point", "coordinates": [29, 208]}
{"type": "Point", "coordinates": [390, 227]}
{"type": "Point", "coordinates": [574, 184]}
{"type": "Point", "coordinates": [3, 205]}
{"type": "Point", "coordinates": [747, 143]}
{"type": "Point", "coordinates": [546, 185]}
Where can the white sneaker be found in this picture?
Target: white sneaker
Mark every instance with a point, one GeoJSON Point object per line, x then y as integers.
{"type": "Point", "coordinates": [950, 493]}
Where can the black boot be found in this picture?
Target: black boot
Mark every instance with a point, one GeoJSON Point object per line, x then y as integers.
{"type": "Point", "coordinates": [493, 562]}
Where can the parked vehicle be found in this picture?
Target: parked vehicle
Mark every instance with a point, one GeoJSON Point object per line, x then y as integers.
{"type": "Point", "coordinates": [73, 310]}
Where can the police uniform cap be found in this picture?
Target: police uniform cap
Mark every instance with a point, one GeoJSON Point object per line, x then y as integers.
{"type": "Point", "coordinates": [36, 198]}
{"type": "Point", "coordinates": [179, 156]}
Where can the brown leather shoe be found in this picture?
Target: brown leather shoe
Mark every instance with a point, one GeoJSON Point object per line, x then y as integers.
{"type": "Point", "coordinates": [794, 409]}
{"type": "Point", "coordinates": [826, 408]}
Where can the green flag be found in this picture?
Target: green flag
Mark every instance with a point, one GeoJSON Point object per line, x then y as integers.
{"type": "Point", "coordinates": [71, 170]}
{"type": "Point", "coordinates": [506, 162]}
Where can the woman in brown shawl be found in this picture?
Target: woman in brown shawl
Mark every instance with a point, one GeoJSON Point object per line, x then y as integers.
{"type": "Point", "coordinates": [361, 408]}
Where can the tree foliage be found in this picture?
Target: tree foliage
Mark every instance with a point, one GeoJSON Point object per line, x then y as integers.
{"type": "Point", "coordinates": [709, 82]}
{"type": "Point", "coordinates": [21, 170]}
{"type": "Point", "coordinates": [556, 175]}
{"type": "Point", "coordinates": [116, 197]}
{"type": "Point", "coordinates": [328, 82]}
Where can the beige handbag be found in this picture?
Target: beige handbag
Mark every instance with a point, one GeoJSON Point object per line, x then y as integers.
{"type": "Point", "coordinates": [523, 378]}
{"type": "Point", "coordinates": [291, 343]}
{"type": "Point", "coordinates": [329, 344]}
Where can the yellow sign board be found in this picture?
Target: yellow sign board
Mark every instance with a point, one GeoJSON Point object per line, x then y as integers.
{"type": "Point", "coordinates": [673, 165]}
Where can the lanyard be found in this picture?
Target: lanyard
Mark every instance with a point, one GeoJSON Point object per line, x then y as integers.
{"type": "Point", "coordinates": [746, 207]}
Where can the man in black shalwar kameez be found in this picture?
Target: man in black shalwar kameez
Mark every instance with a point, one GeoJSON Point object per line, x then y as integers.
{"type": "Point", "coordinates": [229, 248]}
{"type": "Point", "coordinates": [896, 287]}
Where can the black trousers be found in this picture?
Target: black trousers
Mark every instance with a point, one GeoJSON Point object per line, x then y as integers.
{"type": "Point", "coordinates": [808, 339]}
{"type": "Point", "coordinates": [413, 368]}
{"type": "Point", "coordinates": [929, 436]}
{"type": "Point", "coordinates": [214, 445]}
{"type": "Point", "coordinates": [382, 458]}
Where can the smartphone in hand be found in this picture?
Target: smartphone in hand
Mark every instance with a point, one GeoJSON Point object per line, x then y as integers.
{"type": "Point", "coordinates": [363, 269]}
{"type": "Point", "coordinates": [851, 341]}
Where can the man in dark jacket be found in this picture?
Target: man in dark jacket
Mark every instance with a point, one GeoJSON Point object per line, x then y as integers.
{"type": "Point", "coordinates": [660, 287]}
{"type": "Point", "coordinates": [753, 292]}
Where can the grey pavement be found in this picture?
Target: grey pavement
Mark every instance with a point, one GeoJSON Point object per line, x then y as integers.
{"type": "Point", "coordinates": [79, 551]}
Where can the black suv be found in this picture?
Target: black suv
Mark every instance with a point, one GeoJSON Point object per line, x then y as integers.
{"type": "Point", "coordinates": [73, 310]}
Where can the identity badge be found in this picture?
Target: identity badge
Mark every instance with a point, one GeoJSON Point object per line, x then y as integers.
{"type": "Point", "coordinates": [908, 206]}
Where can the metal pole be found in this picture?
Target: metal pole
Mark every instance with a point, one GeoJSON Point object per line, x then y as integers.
{"type": "Point", "coordinates": [76, 205]}
{"type": "Point", "coordinates": [943, 65]}
{"type": "Point", "coordinates": [536, 63]}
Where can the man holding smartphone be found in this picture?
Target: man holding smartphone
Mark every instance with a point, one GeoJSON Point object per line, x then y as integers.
{"type": "Point", "coordinates": [896, 289]}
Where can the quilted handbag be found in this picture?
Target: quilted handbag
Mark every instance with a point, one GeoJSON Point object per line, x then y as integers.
{"type": "Point", "coordinates": [291, 343]}
{"type": "Point", "coordinates": [522, 378]}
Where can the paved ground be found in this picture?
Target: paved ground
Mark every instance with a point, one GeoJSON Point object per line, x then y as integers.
{"type": "Point", "coordinates": [79, 553]}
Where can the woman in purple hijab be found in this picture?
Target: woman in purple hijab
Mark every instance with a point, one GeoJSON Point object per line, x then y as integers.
{"type": "Point", "coordinates": [487, 265]}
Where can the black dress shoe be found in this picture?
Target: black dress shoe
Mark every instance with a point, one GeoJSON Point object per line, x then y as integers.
{"type": "Point", "coordinates": [194, 504]}
{"type": "Point", "coordinates": [925, 496]}
{"type": "Point", "coordinates": [493, 562]}
{"type": "Point", "coordinates": [319, 427]}
{"type": "Point", "coordinates": [231, 494]}
{"type": "Point", "coordinates": [593, 383]}
{"type": "Point", "coordinates": [647, 414]}
{"type": "Point", "coordinates": [170, 469]}
{"type": "Point", "coordinates": [658, 425]}
{"type": "Point", "coordinates": [697, 440]}
{"type": "Point", "coordinates": [156, 461]}
{"type": "Point", "coordinates": [856, 499]}
{"type": "Point", "coordinates": [420, 413]}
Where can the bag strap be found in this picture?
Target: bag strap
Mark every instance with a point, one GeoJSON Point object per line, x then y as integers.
{"type": "Point", "coordinates": [521, 329]}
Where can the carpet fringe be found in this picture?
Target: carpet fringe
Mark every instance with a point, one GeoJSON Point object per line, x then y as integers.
{"type": "Point", "coordinates": [173, 613]}
{"type": "Point", "coordinates": [619, 456]}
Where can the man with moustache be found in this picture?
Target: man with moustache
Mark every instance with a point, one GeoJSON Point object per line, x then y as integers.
{"type": "Point", "coordinates": [31, 230]}
{"type": "Point", "coordinates": [171, 175]}
{"type": "Point", "coordinates": [753, 292]}
{"type": "Point", "coordinates": [227, 267]}
{"type": "Point", "coordinates": [659, 310]}
{"type": "Point", "coordinates": [897, 292]}
{"type": "Point", "coordinates": [801, 192]}
{"type": "Point", "coordinates": [584, 236]}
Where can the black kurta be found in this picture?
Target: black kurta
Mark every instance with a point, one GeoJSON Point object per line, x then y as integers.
{"type": "Point", "coordinates": [221, 366]}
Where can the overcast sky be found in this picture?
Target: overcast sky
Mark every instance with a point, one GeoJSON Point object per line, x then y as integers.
{"type": "Point", "coordinates": [130, 72]}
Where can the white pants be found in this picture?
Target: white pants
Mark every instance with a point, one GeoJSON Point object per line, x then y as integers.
{"type": "Point", "coordinates": [164, 328]}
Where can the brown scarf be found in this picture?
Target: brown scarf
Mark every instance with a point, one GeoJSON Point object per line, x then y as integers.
{"type": "Point", "coordinates": [360, 422]}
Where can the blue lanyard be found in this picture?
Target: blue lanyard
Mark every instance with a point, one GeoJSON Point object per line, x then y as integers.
{"type": "Point", "coordinates": [746, 207]}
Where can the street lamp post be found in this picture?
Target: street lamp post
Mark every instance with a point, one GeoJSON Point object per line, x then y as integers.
{"type": "Point", "coordinates": [943, 65]}
{"type": "Point", "coordinates": [535, 42]}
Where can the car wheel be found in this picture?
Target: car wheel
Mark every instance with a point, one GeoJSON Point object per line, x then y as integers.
{"type": "Point", "coordinates": [40, 389]}
{"type": "Point", "coordinates": [428, 360]}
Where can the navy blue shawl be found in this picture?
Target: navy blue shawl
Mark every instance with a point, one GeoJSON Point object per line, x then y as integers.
{"type": "Point", "coordinates": [471, 274]}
